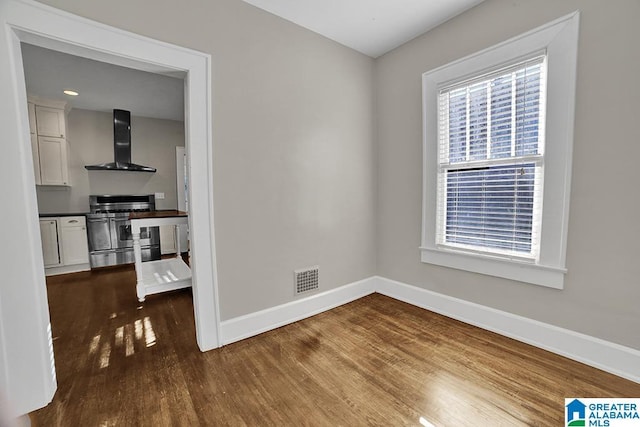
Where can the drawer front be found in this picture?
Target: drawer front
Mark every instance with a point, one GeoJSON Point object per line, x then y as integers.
{"type": "Point", "coordinates": [72, 221]}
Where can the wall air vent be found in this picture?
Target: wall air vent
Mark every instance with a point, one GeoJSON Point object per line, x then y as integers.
{"type": "Point", "coordinates": [305, 280]}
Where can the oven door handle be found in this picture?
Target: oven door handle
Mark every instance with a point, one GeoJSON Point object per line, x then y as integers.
{"type": "Point", "coordinates": [95, 220]}
{"type": "Point", "coordinates": [114, 233]}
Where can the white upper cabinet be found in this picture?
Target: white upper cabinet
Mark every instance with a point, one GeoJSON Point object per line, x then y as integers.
{"type": "Point", "coordinates": [35, 152]}
{"type": "Point", "coordinates": [51, 122]}
{"type": "Point", "coordinates": [49, 146]}
{"type": "Point", "coordinates": [54, 168]}
{"type": "Point", "coordinates": [32, 118]}
{"type": "Point", "coordinates": [34, 142]}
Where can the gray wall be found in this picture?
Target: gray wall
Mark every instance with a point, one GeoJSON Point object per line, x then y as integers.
{"type": "Point", "coordinates": [293, 144]}
{"type": "Point", "coordinates": [299, 180]}
{"type": "Point", "coordinates": [602, 286]}
{"type": "Point", "coordinates": [153, 143]}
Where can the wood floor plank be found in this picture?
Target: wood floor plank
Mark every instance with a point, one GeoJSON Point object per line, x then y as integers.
{"type": "Point", "coordinates": [376, 361]}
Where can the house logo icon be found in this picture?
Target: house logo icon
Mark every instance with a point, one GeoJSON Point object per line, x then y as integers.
{"type": "Point", "coordinates": [576, 413]}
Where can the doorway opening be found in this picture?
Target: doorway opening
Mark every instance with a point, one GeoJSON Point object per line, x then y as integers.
{"type": "Point", "coordinates": [46, 27]}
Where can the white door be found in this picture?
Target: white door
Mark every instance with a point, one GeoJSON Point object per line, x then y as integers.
{"type": "Point", "coordinates": [49, 236]}
{"type": "Point", "coordinates": [53, 161]}
{"type": "Point", "coordinates": [50, 122]}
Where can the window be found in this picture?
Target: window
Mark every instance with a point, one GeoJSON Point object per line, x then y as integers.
{"type": "Point", "coordinates": [490, 161]}
{"type": "Point", "coordinates": [498, 131]}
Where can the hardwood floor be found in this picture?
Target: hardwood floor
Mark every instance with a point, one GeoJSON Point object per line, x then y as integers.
{"type": "Point", "coordinates": [376, 361]}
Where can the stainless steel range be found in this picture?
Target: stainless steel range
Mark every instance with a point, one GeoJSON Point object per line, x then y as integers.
{"type": "Point", "coordinates": [109, 228]}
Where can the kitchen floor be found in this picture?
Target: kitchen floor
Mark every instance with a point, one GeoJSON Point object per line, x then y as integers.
{"type": "Point", "coordinates": [117, 360]}
{"type": "Point", "coordinates": [375, 361]}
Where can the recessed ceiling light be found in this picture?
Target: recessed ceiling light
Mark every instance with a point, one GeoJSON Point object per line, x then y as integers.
{"type": "Point", "coordinates": [70, 92]}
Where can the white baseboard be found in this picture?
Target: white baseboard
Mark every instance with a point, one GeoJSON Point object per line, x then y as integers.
{"type": "Point", "coordinates": [66, 269]}
{"type": "Point", "coordinates": [614, 358]}
{"type": "Point", "coordinates": [246, 326]}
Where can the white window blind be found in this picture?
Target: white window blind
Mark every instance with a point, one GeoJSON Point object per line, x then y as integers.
{"type": "Point", "coordinates": [491, 161]}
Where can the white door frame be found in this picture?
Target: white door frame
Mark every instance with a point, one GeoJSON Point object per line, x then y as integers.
{"type": "Point", "coordinates": [27, 373]}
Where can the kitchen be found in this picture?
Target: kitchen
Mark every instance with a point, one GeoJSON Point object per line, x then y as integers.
{"type": "Point", "coordinates": [156, 107]}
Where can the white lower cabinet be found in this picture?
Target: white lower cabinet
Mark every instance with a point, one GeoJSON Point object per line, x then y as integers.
{"type": "Point", "coordinates": [168, 239]}
{"type": "Point", "coordinates": [50, 247]}
{"type": "Point", "coordinates": [73, 233]}
{"type": "Point", "coordinates": [64, 244]}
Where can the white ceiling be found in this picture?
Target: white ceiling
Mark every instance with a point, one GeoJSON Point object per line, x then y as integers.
{"type": "Point", "coordinates": [102, 86]}
{"type": "Point", "coordinates": [372, 27]}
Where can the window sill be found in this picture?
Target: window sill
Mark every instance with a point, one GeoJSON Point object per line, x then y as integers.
{"type": "Point", "coordinates": [542, 275]}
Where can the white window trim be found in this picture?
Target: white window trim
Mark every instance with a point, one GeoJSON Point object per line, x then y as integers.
{"type": "Point", "coordinates": [560, 40]}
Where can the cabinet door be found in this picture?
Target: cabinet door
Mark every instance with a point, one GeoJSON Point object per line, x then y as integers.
{"type": "Point", "coordinates": [32, 118]}
{"type": "Point", "coordinates": [49, 236]}
{"type": "Point", "coordinates": [50, 122]}
{"type": "Point", "coordinates": [75, 249]}
{"type": "Point", "coordinates": [54, 169]}
{"type": "Point", "coordinates": [167, 239]}
{"type": "Point", "coordinates": [183, 232]}
{"type": "Point", "coordinates": [36, 158]}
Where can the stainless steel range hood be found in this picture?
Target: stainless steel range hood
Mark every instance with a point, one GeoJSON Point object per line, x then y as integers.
{"type": "Point", "coordinates": [121, 147]}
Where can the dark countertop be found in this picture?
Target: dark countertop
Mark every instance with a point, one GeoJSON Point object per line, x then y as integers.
{"type": "Point", "coordinates": [49, 215]}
